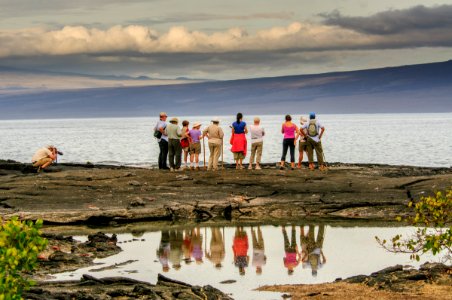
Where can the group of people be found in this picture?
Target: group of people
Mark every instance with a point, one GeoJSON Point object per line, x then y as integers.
{"type": "Point", "coordinates": [177, 246]}
{"type": "Point", "coordinates": [175, 140]}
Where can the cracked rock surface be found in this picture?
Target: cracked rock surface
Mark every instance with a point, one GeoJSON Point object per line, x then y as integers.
{"type": "Point", "coordinates": [76, 193]}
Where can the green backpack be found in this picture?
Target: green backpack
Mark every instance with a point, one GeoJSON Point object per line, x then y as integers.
{"type": "Point", "coordinates": [312, 128]}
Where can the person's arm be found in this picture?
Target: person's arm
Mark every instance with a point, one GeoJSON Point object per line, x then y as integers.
{"type": "Point", "coordinates": [282, 128]}
{"type": "Point", "coordinates": [221, 132]}
{"type": "Point", "coordinates": [179, 132]}
{"type": "Point", "coordinates": [321, 132]}
{"type": "Point", "coordinates": [246, 130]}
{"type": "Point", "coordinates": [302, 131]}
{"type": "Point", "coordinates": [263, 131]}
{"type": "Point", "coordinates": [53, 154]}
{"type": "Point", "coordinates": [323, 256]}
{"type": "Point", "coordinates": [232, 130]}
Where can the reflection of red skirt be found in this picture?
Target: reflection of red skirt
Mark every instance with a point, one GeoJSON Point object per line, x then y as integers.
{"type": "Point", "coordinates": [238, 142]}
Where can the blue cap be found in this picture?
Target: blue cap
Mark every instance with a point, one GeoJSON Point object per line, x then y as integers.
{"type": "Point", "coordinates": [312, 115]}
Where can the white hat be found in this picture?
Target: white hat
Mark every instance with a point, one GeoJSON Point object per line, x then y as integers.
{"type": "Point", "coordinates": [303, 120]}
{"type": "Point", "coordinates": [216, 120]}
{"type": "Point", "coordinates": [174, 120]}
{"type": "Point", "coordinates": [197, 124]}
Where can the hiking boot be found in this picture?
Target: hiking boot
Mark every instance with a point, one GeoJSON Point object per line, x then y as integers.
{"type": "Point", "coordinates": [323, 168]}
{"type": "Point", "coordinates": [311, 167]}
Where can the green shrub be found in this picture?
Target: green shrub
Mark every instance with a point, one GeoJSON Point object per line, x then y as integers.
{"type": "Point", "coordinates": [20, 244]}
{"type": "Point", "coordinates": [434, 214]}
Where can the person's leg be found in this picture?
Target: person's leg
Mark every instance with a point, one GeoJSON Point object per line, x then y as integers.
{"type": "Point", "coordinates": [319, 153]}
{"type": "Point", "coordinates": [284, 152]}
{"type": "Point", "coordinates": [292, 154]}
{"type": "Point", "coordinates": [178, 150]}
{"type": "Point", "coordinates": [259, 148]}
{"type": "Point", "coordinates": [172, 153]}
{"type": "Point", "coordinates": [310, 153]}
{"type": "Point", "coordinates": [161, 154]}
{"type": "Point", "coordinates": [217, 150]}
{"type": "Point", "coordinates": [211, 155]}
{"type": "Point", "coordinates": [253, 154]}
{"type": "Point", "coordinates": [286, 239]}
{"type": "Point", "coordinates": [165, 154]}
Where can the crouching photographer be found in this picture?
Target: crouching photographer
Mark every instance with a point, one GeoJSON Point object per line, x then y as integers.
{"type": "Point", "coordinates": [45, 156]}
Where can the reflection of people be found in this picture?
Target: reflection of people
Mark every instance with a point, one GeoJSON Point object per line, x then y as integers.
{"type": "Point", "coordinates": [187, 246]}
{"type": "Point", "coordinates": [164, 250]}
{"type": "Point", "coordinates": [259, 258]}
{"type": "Point", "coordinates": [44, 157]}
{"type": "Point", "coordinates": [291, 260]}
{"type": "Point", "coordinates": [175, 241]}
{"type": "Point", "coordinates": [217, 250]}
{"type": "Point", "coordinates": [196, 240]}
{"type": "Point", "coordinates": [240, 249]}
{"type": "Point", "coordinates": [312, 254]}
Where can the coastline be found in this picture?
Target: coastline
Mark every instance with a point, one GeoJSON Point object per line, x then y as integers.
{"type": "Point", "coordinates": [101, 194]}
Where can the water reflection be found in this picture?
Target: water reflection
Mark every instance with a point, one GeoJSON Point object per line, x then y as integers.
{"type": "Point", "coordinates": [179, 245]}
{"type": "Point", "coordinates": [312, 254]}
{"type": "Point", "coordinates": [239, 256]}
{"type": "Point", "coordinates": [217, 250]}
{"type": "Point", "coordinates": [259, 258]}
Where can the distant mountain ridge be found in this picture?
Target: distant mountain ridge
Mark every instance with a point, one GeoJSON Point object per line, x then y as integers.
{"type": "Point", "coordinates": [413, 88]}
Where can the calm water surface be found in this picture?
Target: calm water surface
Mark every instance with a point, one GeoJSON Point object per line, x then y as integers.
{"type": "Point", "coordinates": [251, 256]}
{"type": "Point", "coordinates": [400, 139]}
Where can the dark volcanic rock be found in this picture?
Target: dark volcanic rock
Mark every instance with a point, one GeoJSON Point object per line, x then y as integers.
{"type": "Point", "coordinates": [123, 288]}
{"type": "Point", "coordinates": [106, 195]}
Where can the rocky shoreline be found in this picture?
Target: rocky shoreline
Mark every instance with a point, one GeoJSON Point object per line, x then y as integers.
{"type": "Point", "coordinates": [71, 198]}
{"type": "Point", "coordinates": [93, 194]}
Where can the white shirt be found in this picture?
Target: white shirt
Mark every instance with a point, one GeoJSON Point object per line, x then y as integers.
{"type": "Point", "coordinates": [257, 134]}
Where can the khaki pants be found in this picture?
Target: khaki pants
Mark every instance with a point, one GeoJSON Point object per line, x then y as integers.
{"type": "Point", "coordinates": [256, 150]}
{"type": "Point", "coordinates": [318, 151]}
{"type": "Point", "coordinates": [215, 151]}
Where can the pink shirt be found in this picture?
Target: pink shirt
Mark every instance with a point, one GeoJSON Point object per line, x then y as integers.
{"type": "Point", "coordinates": [289, 132]}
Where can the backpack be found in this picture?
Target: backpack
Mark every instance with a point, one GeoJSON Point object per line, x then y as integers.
{"type": "Point", "coordinates": [312, 128]}
{"type": "Point", "coordinates": [157, 134]}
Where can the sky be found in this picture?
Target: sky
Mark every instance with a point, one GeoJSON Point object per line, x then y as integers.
{"type": "Point", "coordinates": [221, 40]}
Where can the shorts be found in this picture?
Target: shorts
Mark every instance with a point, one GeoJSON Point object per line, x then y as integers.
{"type": "Point", "coordinates": [302, 146]}
{"type": "Point", "coordinates": [185, 149]}
{"type": "Point", "coordinates": [42, 162]}
{"type": "Point", "coordinates": [239, 155]}
{"type": "Point", "coordinates": [195, 148]}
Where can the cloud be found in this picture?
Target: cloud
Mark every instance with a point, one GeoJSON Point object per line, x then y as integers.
{"type": "Point", "coordinates": [395, 21]}
{"type": "Point", "coordinates": [183, 18]}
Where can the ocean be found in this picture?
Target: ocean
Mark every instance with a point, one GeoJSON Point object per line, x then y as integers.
{"type": "Point", "coordinates": [396, 139]}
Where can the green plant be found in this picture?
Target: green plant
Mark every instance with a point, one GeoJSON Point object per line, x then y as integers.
{"type": "Point", "coordinates": [434, 215]}
{"type": "Point", "coordinates": [20, 244]}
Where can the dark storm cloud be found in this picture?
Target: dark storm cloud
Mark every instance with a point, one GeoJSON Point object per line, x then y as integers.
{"type": "Point", "coordinates": [396, 21]}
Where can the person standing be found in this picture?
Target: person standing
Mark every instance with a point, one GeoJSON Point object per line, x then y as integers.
{"type": "Point", "coordinates": [215, 135]}
{"type": "Point", "coordinates": [238, 141]}
{"type": "Point", "coordinates": [217, 248]}
{"type": "Point", "coordinates": [185, 141]}
{"type": "Point", "coordinates": [160, 134]}
{"type": "Point", "coordinates": [257, 142]}
{"type": "Point", "coordinates": [314, 133]}
{"type": "Point", "coordinates": [174, 148]}
{"type": "Point", "coordinates": [289, 130]}
{"type": "Point", "coordinates": [302, 145]}
{"type": "Point", "coordinates": [195, 146]}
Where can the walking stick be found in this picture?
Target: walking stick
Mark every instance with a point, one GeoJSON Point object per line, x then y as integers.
{"type": "Point", "coordinates": [204, 151]}
{"type": "Point", "coordinates": [222, 156]}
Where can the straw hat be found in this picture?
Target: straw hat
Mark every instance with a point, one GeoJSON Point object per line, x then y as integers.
{"type": "Point", "coordinates": [197, 124]}
{"type": "Point", "coordinates": [174, 120]}
{"type": "Point", "coordinates": [163, 114]}
{"type": "Point", "coordinates": [303, 120]}
{"type": "Point", "coordinates": [216, 120]}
